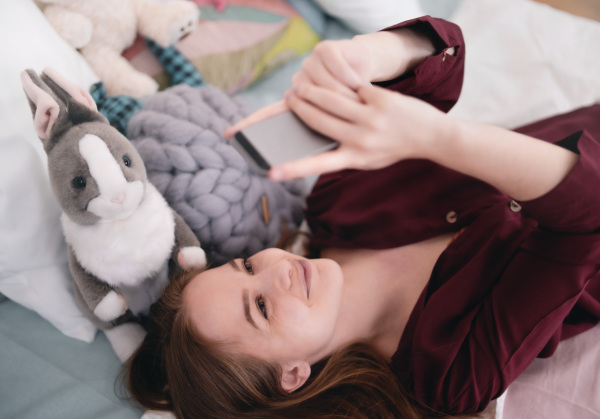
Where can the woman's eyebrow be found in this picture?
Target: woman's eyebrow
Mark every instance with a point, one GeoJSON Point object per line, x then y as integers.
{"type": "Point", "coordinates": [234, 265]}
{"type": "Point", "coordinates": [245, 298]}
{"type": "Point", "coordinates": [246, 302]}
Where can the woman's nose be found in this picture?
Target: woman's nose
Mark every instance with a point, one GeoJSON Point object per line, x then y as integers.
{"type": "Point", "coordinates": [279, 276]}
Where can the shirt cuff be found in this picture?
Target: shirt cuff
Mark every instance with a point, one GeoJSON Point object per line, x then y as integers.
{"type": "Point", "coordinates": [438, 79]}
{"type": "Point", "coordinates": [573, 205]}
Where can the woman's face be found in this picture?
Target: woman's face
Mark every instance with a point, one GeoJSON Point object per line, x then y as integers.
{"type": "Point", "coordinates": [274, 305]}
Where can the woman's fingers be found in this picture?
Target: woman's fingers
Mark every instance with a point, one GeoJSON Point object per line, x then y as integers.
{"type": "Point", "coordinates": [334, 116]}
{"type": "Point", "coordinates": [321, 77]}
{"type": "Point", "coordinates": [337, 64]}
{"type": "Point", "coordinates": [328, 67]}
{"type": "Point", "coordinates": [307, 100]}
{"type": "Point", "coordinates": [267, 112]}
{"type": "Point", "coordinates": [376, 96]}
{"type": "Point", "coordinates": [321, 121]}
{"type": "Point", "coordinates": [337, 117]}
{"type": "Point", "coordinates": [329, 161]}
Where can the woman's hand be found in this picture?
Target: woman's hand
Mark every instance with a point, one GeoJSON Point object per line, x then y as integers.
{"type": "Point", "coordinates": [340, 66]}
{"type": "Point", "coordinates": [343, 66]}
{"type": "Point", "coordinates": [267, 112]}
{"type": "Point", "coordinates": [386, 127]}
{"type": "Point", "coordinates": [380, 129]}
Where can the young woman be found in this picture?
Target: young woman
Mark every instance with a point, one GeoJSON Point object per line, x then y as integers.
{"type": "Point", "coordinates": [455, 254]}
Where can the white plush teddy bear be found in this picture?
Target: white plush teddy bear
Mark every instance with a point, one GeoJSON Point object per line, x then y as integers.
{"type": "Point", "coordinates": [102, 29]}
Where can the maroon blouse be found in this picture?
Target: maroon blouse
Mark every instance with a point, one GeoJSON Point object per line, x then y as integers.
{"type": "Point", "coordinates": [519, 279]}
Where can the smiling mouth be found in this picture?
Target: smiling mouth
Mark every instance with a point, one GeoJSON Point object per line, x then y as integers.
{"type": "Point", "coordinates": [306, 275]}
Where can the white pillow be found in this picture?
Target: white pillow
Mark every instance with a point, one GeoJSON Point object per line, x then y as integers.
{"type": "Point", "coordinates": [33, 258]}
{"type": "Point", "coordinates": [525, 61]}
{"type": "Point", "coordinates": [365, 16]}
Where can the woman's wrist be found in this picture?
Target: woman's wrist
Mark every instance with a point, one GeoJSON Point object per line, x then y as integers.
{"type": "Point", "coordinates": [394, 52]}
{"type": "Point", "coordinates": [450, 142]}
{"type": "Point", "coordinates": [440, 139]}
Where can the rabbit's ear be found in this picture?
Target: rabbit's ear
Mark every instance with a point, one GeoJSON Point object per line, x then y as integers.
{"type": "Point", "coordinates": [44, 105]}
{"type": "Point", "coordinates": [75, 91]}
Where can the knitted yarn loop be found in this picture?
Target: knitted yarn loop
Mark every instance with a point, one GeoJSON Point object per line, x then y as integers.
{"type": "Point", "coordinates": [179, 134]}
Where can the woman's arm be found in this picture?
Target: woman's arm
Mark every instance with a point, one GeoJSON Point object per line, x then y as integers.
{"type": "Point", "coordinates": [523, 167]}
{"type": "Point", "coordinates": [387, 127]}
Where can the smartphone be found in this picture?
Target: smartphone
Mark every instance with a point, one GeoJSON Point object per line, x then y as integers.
{"type": "Point", "coordinates": [279, 139]}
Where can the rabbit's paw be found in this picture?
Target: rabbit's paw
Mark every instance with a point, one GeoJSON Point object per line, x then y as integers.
{"type": "Point", "coordinates": [191, 257]}
{"type": "Point", "coordinates": [110, 307]}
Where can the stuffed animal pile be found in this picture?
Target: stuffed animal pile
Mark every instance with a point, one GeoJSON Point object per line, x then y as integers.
{"type": "Point", "coordinates": [234, 211]}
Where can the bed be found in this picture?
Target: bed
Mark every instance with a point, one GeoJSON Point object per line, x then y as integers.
{"type": "Point", "coordinates": [528, 59]}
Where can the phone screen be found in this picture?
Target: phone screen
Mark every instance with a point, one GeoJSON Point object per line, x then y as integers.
{"type": "Point", "coordinates": [279, 139]}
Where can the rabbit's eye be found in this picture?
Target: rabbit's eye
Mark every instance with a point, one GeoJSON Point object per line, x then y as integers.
{"type": "Point", "coordinates": [78, 182]}
{"type": "Point", "coordinates": [127, 160]}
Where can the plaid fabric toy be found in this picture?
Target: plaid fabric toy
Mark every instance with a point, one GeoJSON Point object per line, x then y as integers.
{"type": "Point", "coordinates": [179, 68]}
{"type": "Point", "coordinates": [119, 109]}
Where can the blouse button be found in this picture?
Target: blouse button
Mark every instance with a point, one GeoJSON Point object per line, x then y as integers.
{"type": "Point", "coordinates": [451, 217]}
{"type": "Point", "coordinates": [514, 207]}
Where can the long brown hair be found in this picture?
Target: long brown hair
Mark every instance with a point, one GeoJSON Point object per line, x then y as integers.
{"type": "Point", "coordinates": [178, 370]}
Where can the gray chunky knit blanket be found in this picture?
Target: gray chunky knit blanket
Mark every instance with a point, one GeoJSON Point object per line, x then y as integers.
{"type": "Point", "coordinates": [233, 211]}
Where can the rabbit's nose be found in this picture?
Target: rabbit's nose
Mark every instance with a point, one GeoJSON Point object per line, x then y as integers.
{"type": "Point", "coordinates": [118, 199]}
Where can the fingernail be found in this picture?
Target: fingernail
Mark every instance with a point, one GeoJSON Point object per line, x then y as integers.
{"type": "Point", "coordinates": [276, 174]}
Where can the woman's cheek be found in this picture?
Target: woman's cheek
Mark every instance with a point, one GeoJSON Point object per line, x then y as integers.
{"type": "Point", "coordinates": [295, 313]}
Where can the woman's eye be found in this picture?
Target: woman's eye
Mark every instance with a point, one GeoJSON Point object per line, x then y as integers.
{"type": "Point", "coordinates": [260, 303]}
{"type": "Point", "coordinates": [247, 266]}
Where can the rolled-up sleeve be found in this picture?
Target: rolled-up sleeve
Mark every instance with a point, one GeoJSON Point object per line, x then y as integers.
{"type": "Point", "coordinates": [438, 79]}
{"type": "Point", "coordinates": [573, 206]}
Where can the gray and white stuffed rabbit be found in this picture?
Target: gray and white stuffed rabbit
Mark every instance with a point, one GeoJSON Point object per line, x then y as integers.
{"type": "Point", "coordinates": [120, 231]}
